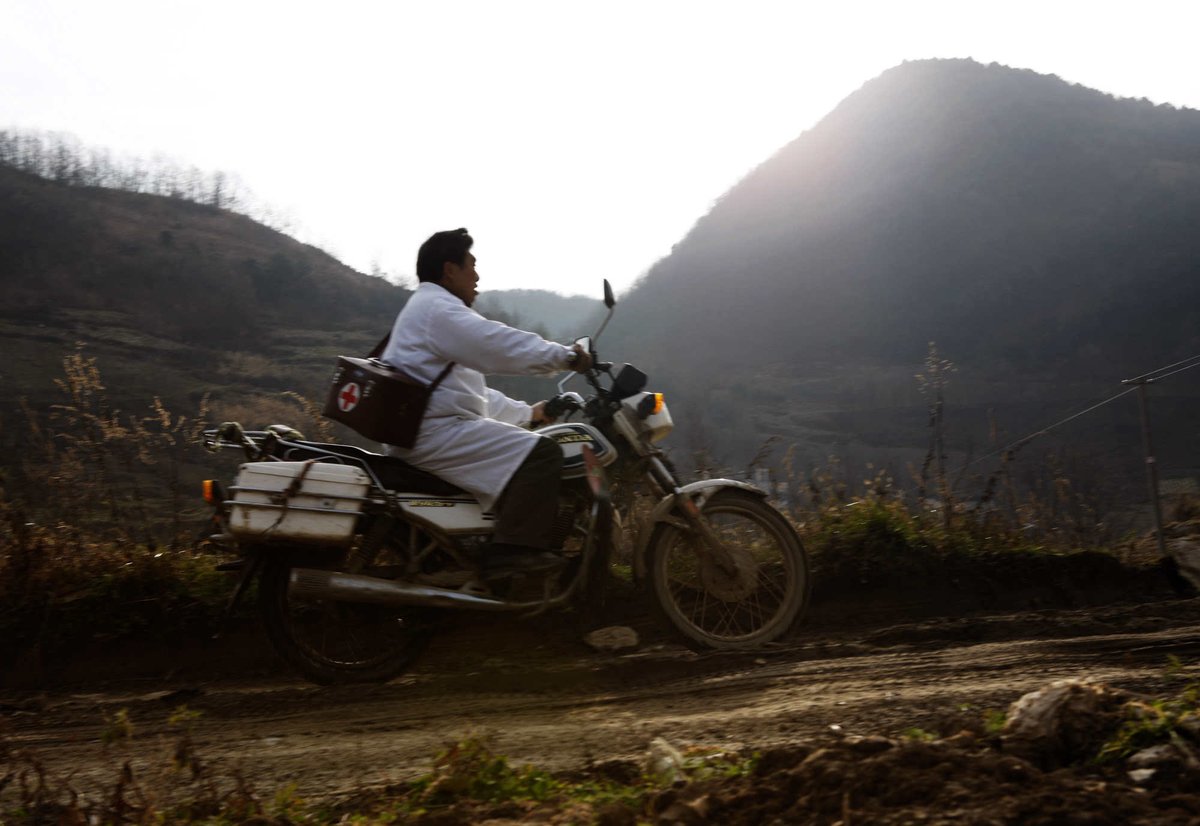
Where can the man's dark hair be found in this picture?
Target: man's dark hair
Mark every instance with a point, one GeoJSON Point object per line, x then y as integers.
{"type": "Point", "coordinates": [451, 245]}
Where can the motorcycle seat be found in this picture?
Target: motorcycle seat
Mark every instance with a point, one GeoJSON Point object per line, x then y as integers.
{"type": "Point", "coordinates": [394, 474]}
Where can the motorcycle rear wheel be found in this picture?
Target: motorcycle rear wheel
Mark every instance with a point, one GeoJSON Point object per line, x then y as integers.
{"type": "Point", "coordinates": [332, 642]}
{"type": "Point", "coordinates": [713, 610]}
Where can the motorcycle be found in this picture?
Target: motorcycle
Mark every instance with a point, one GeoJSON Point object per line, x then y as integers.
{"type": "Point", "coordinates": [357, 553]}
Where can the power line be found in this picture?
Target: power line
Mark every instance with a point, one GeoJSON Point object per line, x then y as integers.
{"type": "Point", "coordinates": [1045, 430]}
{"type": "Point", "coordinates": [1147, 376]}
{"type": "Point", "coordinates": [1152, 376]}
{"type": "Point", "coordinates": [1180, 370]}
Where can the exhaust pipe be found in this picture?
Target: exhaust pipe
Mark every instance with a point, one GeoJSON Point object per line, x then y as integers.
{"type": "Point", "coordinates": [334, 585]}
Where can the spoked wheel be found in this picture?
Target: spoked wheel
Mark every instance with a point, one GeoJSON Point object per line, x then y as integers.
{"type": "Point", "coordinates": [338, 642]}
{"type": "Point", "coordinates": [757, 602]}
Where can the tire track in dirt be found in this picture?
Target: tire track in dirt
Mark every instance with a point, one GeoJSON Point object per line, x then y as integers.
{"type": "Point", "coordinates": [564, 712]}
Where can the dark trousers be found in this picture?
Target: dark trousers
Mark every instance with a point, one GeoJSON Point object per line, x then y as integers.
{"type": "Point", "coordinates": [527, 508]}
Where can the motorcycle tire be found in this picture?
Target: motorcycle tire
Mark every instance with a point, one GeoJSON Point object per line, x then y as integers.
{"type": "Point", "coordinates": [333, 642]}
{"type": "Point", "coordinates": [711, 609]}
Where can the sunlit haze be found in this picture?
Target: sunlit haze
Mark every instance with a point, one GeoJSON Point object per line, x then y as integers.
{"type": "Point", "coordinates": [576, 141]}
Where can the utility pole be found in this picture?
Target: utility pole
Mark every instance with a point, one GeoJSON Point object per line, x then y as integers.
{"type": "Point", "coordinates": [1151, 463]}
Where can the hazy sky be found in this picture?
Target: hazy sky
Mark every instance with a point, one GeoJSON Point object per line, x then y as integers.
{"type": "Point", "coordinates": [576, 141]}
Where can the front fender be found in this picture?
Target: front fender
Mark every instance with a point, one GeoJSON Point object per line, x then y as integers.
{"type": "Point", "coordinates": [700, 492]}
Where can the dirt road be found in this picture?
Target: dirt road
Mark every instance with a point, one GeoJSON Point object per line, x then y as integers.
{"type": "Point", "coordinates": [540, 697]}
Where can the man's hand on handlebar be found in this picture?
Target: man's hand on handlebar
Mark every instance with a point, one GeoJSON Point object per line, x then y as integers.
{"type": "Point", "coordinates": [583, 360]}
{"type": "Point", "coordinates": [538, 416]}
{"type": "Point", "coordinates": [552, 409]}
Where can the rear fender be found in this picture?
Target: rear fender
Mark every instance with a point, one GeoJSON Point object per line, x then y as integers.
{"type": "Point", "coordinates": [667, 508]}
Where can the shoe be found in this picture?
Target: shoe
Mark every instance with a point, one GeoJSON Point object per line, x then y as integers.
{"type": "Point", "coordinates": [502, 559]}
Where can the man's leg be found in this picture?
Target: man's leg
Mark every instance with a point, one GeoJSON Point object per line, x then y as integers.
{"type": "Point", "coordinates": [526, 510]}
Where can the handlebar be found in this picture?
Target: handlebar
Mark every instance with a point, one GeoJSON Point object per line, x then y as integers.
{"type": "Point", "coordinates": [562, 403]}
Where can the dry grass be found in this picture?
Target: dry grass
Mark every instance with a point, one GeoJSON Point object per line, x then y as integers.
{"type": "Point", "coordinates": [100, 532]}
{"type": "Point", "coordinates": [101, 524]}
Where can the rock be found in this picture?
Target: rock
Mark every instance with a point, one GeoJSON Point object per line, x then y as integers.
{"type": "Point", "coordinates": [1038, 714]}
{"type": "Point", "coordinates": [1142, 776]}
{"type": "Point", "coordinates": [1186, 553]}
{"type": "Point", "coordinates": [612, 638]}
{"type": "Point", "coordinates": [663, 761]}
{"type": "Point", "coordinates": [1165, 761]}
{"type": "Point", "coordinates": [1155, 757]}
{"type": "Point", "coordinates": [1065, 721]}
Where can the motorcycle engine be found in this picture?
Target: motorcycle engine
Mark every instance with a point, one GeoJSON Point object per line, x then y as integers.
{"type": "Point", "coordinates": [563, 522]}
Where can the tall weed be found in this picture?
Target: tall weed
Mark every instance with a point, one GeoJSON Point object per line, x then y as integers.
{"type": "Point", "coordinates": [874, 524]}
{"type": "Point", "coordinates": [97, 535]}
{"type": "Point", "coordinates": [91, 468]}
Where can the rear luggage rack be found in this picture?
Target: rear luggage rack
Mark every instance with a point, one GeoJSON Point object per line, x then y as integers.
{"type": "Point", "coordinates": [387, 473]}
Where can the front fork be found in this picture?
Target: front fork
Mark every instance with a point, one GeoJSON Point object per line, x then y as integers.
{"type": "Point", "coordinates": [600, 532]}
{"type": "Point", "coordinates": [714, 550]}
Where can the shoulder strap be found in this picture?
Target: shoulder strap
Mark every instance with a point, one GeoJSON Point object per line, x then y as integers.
{"type": "Point", "coordinates": [441, 376]}
{"type": "Point", "coordinates": [378, 349]}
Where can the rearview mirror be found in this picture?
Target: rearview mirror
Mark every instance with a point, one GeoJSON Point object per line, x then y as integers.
{"type": "Point", "coordinates": [629, 380]}
{"type": "Point", "coordinates": [609, 298]}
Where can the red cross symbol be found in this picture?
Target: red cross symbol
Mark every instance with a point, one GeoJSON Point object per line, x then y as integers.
{"type": "Point", "coordinates": [348, 397]}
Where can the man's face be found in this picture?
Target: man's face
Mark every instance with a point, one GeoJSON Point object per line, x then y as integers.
{"type": "Point", "coordinates": [461, 280]}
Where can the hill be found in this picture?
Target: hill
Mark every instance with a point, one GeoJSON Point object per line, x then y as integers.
{"type": "Point", "coordinates": [182, 299]}
{"type": "Point", "coordinates": [1043, 234]}
{"type": "Point", "coordinates": [1009, 215]}
{"type": "Point", "coordinates": [182, 270]}
{"type": "Point", "coordinates": [559, 317]}
{"type": "Point", "coordinates": [176, 299]}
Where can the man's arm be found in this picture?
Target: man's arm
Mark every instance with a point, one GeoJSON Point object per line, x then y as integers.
{"type": "Point", "coordinates": [503, 409]}
{"type": "Point", "coordinates": [462, 335]}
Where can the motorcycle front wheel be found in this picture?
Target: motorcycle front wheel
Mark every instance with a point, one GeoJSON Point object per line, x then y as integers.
{"type": "Point", "coordinates": [712, 608]}
{"type": "Point", "coordinates": [332, 642]}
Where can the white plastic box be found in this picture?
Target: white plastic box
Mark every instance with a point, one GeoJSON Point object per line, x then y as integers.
{"type": "Point", "coordinates": [321, 508]}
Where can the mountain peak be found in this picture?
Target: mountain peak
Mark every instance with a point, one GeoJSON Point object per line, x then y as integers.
{"type": "Point", "coordinates": [1004, 213]}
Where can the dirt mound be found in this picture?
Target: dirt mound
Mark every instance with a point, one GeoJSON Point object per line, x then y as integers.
{"type": "Point", "coordinates": [1066, 754]}
{"type": "Point", "coordinates": [963, 779]}
{"type": "Point", "coordinates": [1053, 762]}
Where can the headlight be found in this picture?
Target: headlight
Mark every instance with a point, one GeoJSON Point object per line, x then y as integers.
{"type": "Point", "coordinates": [650, 415]}
{"type": "Point", "coordinates": [650, 404]}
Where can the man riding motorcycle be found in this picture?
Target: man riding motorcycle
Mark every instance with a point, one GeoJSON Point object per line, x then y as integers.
{"type": "Point", "coordinates": [473, 436]}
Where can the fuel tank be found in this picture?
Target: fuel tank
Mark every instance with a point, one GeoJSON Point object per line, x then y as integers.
{"type": "Point", "coordinates": [571, 437]}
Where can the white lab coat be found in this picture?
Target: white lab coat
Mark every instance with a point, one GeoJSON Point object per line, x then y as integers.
{"type": "Point", "coordinates": [472, 436]}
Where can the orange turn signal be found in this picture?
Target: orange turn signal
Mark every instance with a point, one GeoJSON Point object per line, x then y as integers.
{"type": "Point", "coordinates": [658, 403]}
{"type": "Point", "coordinates": [210, 491]}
